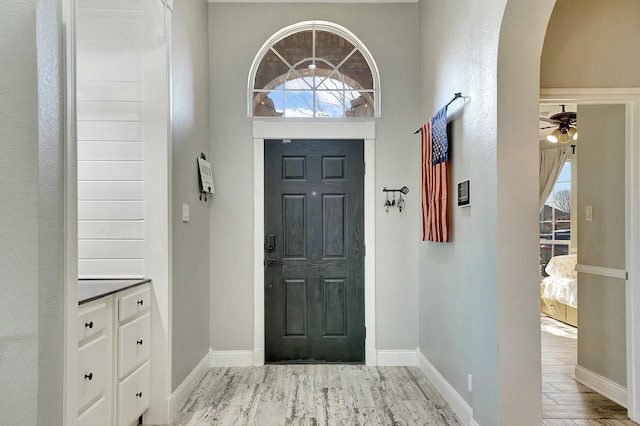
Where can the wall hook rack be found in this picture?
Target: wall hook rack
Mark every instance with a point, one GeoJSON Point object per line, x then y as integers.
{"type": "Point", "coordinates": [393, 203]}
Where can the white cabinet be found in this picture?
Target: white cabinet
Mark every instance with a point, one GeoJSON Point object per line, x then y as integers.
{"type": "Point", "coordinates": [134, 332]}
{"type": "Point", "coordinates": [97, 414]}
{"type": "Point", "coordinates": [133, 395]}
{"type": "Point", "coordinates": [95, 361]}
{"type": "Point", "coordinates": [113, 358]}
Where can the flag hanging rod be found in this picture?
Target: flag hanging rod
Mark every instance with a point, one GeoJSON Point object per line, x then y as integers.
{"type": "Point", "coordinates": [456, 95]}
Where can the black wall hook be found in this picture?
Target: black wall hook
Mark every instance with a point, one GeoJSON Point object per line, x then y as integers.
{"type": "Point", "coordinates": [404, 190]}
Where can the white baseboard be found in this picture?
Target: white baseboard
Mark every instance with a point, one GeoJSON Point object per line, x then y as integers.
{"type": "Point", "coordinates": [232, 358]}
{"type": "Point", "coordinates": [453, 398]}
{"type": "Point", "coordinates": [258, 357]}
{"type": "Point", "coordinates": [396, 358]}
{"type": "Point", "coordinates": [371, 357]}
{"type": "Point", "coordinates": [181, 394]}
{"type": "Point", "coordinates": [602, 385]}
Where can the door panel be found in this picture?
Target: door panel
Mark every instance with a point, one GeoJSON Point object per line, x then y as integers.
{"type": "Point", "coordinates": [314, 294]}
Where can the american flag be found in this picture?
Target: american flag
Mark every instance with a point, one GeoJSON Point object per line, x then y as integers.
{"type": "Point", "coordinates": [435, 174]}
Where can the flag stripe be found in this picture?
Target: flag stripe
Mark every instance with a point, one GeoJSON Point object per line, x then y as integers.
{"type": "Point", "coordinates": [435, 196]}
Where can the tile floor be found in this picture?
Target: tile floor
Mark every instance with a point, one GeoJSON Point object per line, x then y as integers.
{"type": "Point", "coordinates": [316, 395]}
{"type": "Point", "coordinates": [360, 395]}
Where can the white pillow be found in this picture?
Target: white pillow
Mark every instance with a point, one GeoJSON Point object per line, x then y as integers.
{"type": "Point", "coordinates": [563, 266]}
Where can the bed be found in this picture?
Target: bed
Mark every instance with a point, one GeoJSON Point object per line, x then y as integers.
{"type": "Point", "coordinates": [559, 291]}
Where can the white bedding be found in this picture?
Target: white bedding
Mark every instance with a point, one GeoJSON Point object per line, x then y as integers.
{"type": "Point", "coordinates": [564, 290]}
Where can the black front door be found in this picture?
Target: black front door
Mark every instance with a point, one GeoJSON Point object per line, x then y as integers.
{"type": "Point", "coordinates": [314, 251]}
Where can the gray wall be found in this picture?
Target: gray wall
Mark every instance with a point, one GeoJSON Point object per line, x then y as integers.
{"type": "Point", "coordinates": [51, 215]}
{"type": "Point", "coordinates": [32, 281]}
{"type": "Point", "coordinates": [592, 43]}
{"type": "Point", "coordinates": [237, 31]}
{"type": "Point", "coordinates": [190, 120]}
{"type": "Point", "coordinates": [478, 296]}
{"type": "Point", "coordinates": [601, 242]}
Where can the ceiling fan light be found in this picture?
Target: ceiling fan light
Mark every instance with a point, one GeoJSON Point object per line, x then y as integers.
{"type": "Point", "coordinates": [554, 137]}
{"type": "Point", "coordinates": [564, 137]}
{"type": "Point", "coordinates": [573, 133]}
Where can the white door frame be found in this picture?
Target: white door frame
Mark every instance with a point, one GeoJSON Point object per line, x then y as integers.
{"type": "Point", "coordinates": [631, 99]}
{"type": "Point", "coordinates": [320, 129]}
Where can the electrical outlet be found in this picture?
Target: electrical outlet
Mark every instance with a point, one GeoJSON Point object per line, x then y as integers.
{"type": "Point", "coordinates": [470, 382]}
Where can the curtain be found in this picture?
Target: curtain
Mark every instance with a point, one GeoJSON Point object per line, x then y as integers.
{"type": "Point", "coordinates": [551, 163]}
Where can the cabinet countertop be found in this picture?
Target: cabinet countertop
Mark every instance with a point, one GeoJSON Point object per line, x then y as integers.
{"type": "Point", "coordinates": [89, 290]}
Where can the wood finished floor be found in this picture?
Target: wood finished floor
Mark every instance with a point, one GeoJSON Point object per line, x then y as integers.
{"type": "Point", "coordinates": [316, 395]}
{"type": "Point", "coordinates": [566, 402]}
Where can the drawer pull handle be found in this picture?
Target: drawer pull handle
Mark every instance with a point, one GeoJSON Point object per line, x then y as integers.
{"type": "Point", "coordinates": [88, 324]}
{"type": "Point", "coordinates": [88, 376]}
{"type": "Point", "coordinates": [139, 342]}
{"type": "Point", "coordinates": [140, 302]}
{"type": "Point", "coordinates": [139, 394]}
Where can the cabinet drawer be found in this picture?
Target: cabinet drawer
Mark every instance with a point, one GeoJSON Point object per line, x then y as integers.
{"type": "Point", "coordinates": [129, 305]}
{"type": "Point", "coordinates": [93, 370]}
{"type": "Point", "coordinates": [133, 395]}
{"type": "Point", "coordinates": [96, 415]}
{"type": "Point", "coordinates": [133, 344]}
{"type": "Point", "coordinates": [92, 319]}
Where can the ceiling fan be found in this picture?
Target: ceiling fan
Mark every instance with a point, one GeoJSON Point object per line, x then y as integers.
{"type": "Point", "coordinates": [565, 124]}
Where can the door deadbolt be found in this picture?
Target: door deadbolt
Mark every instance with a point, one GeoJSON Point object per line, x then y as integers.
{"type": "Point", "coordinates": [270, 245]}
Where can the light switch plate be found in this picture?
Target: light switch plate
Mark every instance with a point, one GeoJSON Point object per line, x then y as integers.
{"type": "Point", "coordinates": [185, 212]}
{"type": "Point", "coordinates": [589, 213]}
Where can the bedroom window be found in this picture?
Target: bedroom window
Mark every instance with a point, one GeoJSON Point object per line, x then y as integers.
{"type": "Point", "coordinates": [555, 220]}
{"type": "Point", "coordinates": [314, 69]}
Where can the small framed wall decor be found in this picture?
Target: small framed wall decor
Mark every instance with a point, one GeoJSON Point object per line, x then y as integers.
{"type": "Point", "coordinates": [205, 177]}
{"type": "Point", "coordinates": [464, 194]}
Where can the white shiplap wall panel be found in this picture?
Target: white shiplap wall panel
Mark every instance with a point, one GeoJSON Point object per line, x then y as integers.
{"type": "Point", "coordinates": [110, 131]}
{"type": "Point", "coordinates": [111, 170]}
{"type": "Point", "coordinates": [92, 51]}
{"type": "Point", "coordinates": [111, 249]}
{"type": "Point", "coordinates": [103, 71]}
{"type": "Point", "coordinates": [110, 139]}
{"type": "Point", "coordinates": [111, 110]}
{"type": "Point", "coordinates": [110, 4]}
{"type": "Point", "coordinates": [100, 230]}
{"type": "Point", "coordinates": [111, 210]}
{"type": "Point", "coordinates": [111, 268]}
{"type": "Point", "coordinates": [110, 31]}
{"type": "Point", "coordinates": [86, 15]}
{"type": "Point", "coordinates": [110, 191]}
{"type": "Point", "coordinates": [111, 151]}
{"type": "Point", "coordinates": [127, 91]}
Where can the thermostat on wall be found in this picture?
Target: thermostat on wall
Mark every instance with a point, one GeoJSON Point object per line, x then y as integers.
{"type": "Point", "coordinates": [464, 194]}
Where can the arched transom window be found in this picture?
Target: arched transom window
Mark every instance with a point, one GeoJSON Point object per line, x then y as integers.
{"type": "Point", "coordinates": [314, 69]}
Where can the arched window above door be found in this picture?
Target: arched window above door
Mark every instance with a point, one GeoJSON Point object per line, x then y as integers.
{"type": "Point", "coordinates": [314, 69]}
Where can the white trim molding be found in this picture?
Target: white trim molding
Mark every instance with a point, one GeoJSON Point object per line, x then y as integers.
{"type": "Point", "coordinates": [397, 358]}
{"type": "Point", "coordinates": [462, 409]}
{"type": "Point", "coordinates": [602, 271]}
{"type": "Point", "coordinates": [602, 385]}
{"type": "Point", "coordinates": [232, 358]}
{"type": "Point", "coordinates": [182, 392]}
{"type": "Point", "coordinates": [319, 129]}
